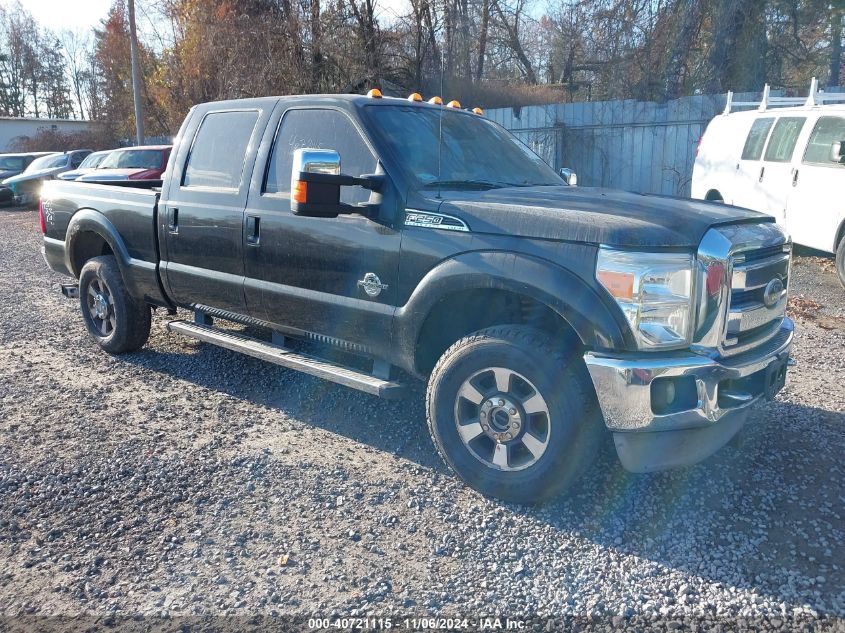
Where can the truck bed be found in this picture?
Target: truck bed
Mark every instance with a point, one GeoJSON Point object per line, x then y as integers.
{"type": "Point", "coordinates": [127, 214]}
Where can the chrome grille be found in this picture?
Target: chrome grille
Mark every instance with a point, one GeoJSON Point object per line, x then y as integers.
{"type": "Point", "coordinates": [740, 304]}
{"type": "Point", "coordinates": [754, 274]}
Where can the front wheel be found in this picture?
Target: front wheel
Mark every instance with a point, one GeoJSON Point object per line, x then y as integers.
{"type": "Point", "coordinates": [513, 415]}
{"type": "Point", "coordinates": [840, 261]}
{"type": "Point", "coordinates": [113, 317]}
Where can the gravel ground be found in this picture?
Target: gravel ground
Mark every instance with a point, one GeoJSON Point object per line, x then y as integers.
{"type": "Point", "coordinates": [189, 480]}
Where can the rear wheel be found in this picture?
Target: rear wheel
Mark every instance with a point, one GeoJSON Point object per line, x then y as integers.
{"type": "Point", "coordinates": [514, 416]}
{"type": "Point", "coordinates": [115, 320]}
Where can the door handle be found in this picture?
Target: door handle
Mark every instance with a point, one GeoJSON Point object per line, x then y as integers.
{"type": "Point", "coordinates": [762, 171]}
{"type": "Point", "coordinates": [795, 178]}
{"type": "Point", "coordinates": [253, 230]}
{"type": "Point", "coordinates": [173, 221]}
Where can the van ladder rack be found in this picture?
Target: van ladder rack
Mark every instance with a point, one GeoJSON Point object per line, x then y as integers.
{"type": "Point", "coordinates": [815, 98]}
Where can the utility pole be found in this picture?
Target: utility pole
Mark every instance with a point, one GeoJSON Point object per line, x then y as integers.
{"type": "Point", "coordinates": [136, 75]}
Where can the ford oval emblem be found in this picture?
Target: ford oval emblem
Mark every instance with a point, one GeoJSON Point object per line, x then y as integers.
{"type": "Point", "coordinates": [773, 292]}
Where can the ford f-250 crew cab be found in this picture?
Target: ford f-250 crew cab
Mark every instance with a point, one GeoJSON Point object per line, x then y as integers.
{"type": "Point", "coordinates": [429, 243]}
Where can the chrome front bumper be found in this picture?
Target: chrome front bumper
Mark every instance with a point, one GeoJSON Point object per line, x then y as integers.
{"type": "Point", "coordinates": [725, 389]}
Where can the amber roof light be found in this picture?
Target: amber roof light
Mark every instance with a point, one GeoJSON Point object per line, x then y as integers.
{"type": "Point", "coordinates": [436, 101]}
{"type": "Point", "coordinates": [454, 103]}
{"type": "Point", "coordinates": [415, 96]}
{"type": "Point", "coordinates": [375, 93]}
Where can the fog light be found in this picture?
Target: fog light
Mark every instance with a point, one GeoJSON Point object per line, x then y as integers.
{"type": "Point", "coordinates": [671, 395]}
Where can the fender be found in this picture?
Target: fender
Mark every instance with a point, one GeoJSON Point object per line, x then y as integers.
{"type": "Point", "coordinates": [140, 277]}
{"type": "Point", "coordinates": [594, 321]}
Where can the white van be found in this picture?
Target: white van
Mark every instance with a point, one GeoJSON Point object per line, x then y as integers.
{"type": "Point", "coordinates": [788, 162]}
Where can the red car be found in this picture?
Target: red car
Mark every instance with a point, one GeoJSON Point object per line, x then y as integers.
{"type": "Point", "coordinates": [146, 162]}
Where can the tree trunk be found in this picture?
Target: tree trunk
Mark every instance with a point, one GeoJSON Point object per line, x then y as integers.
{"type": "Point", "coordinates": [515, 44]}
{"type": "Point", "coordinates": [676, 65]}
{"type": "Point", "coordinates": [835, 47]}
{"type": "Point", "coordinates": [482, 39]}
{"type": "Point", "coordinates": [738, 56]}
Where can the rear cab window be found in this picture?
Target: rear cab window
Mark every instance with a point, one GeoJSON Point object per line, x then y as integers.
{"type": "Point", "coordinates": [827, 131]}
{"type": "Point", "coordinates": [781, 144]}
{"type": "Point", "coordinates": [217, 155]}
{"type": "Point", "coordinates": [756, 140]}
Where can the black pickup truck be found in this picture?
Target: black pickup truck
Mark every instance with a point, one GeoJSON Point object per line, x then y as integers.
{"type": "Point", "coordinates": [428, 243]}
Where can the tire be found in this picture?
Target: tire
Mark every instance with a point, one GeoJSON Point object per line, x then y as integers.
{"type": "Point", "coordinates": [840, 261]}
{"type": "Point", "coordinates": [115, 320]}
{"type": "Point", "coordinates": [564, 424]}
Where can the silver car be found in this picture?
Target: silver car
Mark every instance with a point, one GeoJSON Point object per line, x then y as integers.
{"type": "Point", "coordinates": [26, 186]}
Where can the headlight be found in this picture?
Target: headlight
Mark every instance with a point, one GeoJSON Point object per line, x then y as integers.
{"type": "Point", "coordinates": [654, 291]}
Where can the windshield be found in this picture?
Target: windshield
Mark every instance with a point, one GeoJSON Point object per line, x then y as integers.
{"type": "Point", "coordinates": [48, 162]}
{"type": "Point", "coordinates": [133, 159]}
{"type": "Point", "coordinates": [93, 160]}
{"type": "Point", "coordinates": [475, 151]}
{"type": "Point", "coordinates": [11, 163]}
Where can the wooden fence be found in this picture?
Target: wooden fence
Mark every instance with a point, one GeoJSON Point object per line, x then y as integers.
{"type": "Point", "coordinates": [639, 146]}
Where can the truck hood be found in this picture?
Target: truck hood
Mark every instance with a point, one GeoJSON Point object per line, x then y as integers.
{"type": "Point", "coordinates": [593, 215]}
{"type": "Point", "coordinates": [112, 174]}
{"type": "Point", "coordinates": [34, 175]}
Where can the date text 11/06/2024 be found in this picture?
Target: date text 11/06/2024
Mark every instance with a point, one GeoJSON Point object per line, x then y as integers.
{"type": "Point", "coordinates": [417, 624]}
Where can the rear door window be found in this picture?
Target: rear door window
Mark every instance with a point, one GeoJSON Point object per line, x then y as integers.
{"type": "Point", "coordinates": [216, 159]}
{"type": "Point", "coordinates": [757, 139]}
{"type": "Point", "coordinates": [782, 142]}
{"type": "Point", "coordinates": [828, 130]}
{"type": "Point", "coordinates": [320, 129]}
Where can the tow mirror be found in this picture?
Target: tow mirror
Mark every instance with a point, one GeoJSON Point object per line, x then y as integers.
{"type": "Point", "coordinates": [569, 177]}
{"type": "Point", "coordinates": [837, 152]}
{"type": "Point", "coordinates": [316, 181]}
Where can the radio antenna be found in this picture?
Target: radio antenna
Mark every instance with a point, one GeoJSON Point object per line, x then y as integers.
{"type": "Point", "coordinates": [440, 133]}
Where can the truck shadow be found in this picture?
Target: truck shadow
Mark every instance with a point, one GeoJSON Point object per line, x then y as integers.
{"type": "Point", "coordinates": [763, 515]}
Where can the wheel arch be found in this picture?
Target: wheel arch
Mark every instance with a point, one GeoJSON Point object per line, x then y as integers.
{"type": "Point", "coordinates": [90, 234]}
{"type": "Point", "coordinates": [840, 235]}
{"type": "Point", "coordinates": [485, 288]}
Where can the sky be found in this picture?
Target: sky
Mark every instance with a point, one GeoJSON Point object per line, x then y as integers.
{"type": "Point", "coordinates": [82, 15]}
{"type": "Point", "coordinates": [59, 15]}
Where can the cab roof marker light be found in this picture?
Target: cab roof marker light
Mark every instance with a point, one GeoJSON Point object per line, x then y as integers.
{"type": "Point", "coordinates": [375, 93]}
{"type": "Point", "coordinates": [478, 111]}
{"type": "Point", "coordinates": [415, 96]}
{"type": "Point", "coordinates": [436, 101]}
{"type": "Point", "coordinates": [454, 103]}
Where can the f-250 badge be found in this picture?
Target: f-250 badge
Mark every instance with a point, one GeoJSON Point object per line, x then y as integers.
{"type": "Point", "coordinates": [372, 285]}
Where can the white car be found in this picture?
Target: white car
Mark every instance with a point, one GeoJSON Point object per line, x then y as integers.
{"type": "Point", "coordinates": [788, 162]}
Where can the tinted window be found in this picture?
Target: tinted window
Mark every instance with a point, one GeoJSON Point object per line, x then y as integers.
{"type": "Point", "coordinates": [219, 149]}
{"type": "Point", "coordinates": [48, 162]}
{"type": "Point", "coordinates": [474, 149]}
{"type": "Point", "coordinates": [782, 143]}
{"type": "Point", "coordinates": [828, 130]}
{"type": "Point", "coordinates": [134, 159]}
{"type": "Point", "coordinates": [93, 160]}
{"type": "Point", "coordinates": [756, 139]}
{"type": "Point", "coordinates": [11, 163]}
{"type": "Point", "coordinates": [320, 129]}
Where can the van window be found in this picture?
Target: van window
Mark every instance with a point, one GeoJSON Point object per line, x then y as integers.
{"type": "Point", "coordinates": [782, 142]}
{"type": "Point", "coordinates": [217, 155]}
{"type": "Point", "coordinates": [756, 139]}
{"type": "Point", "coordinates": [828, 130]}
{"type": "Point", "coordinates": [320, 129]}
